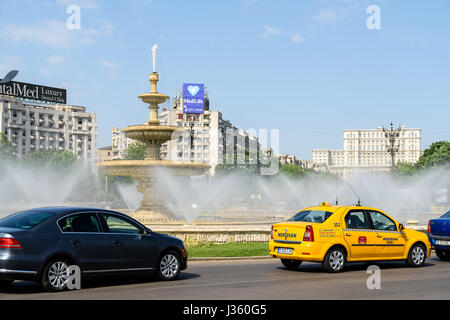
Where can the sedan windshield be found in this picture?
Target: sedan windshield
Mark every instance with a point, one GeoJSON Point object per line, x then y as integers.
{"type": "Point", "coordinates": [446, 215]}
{"type": "Point", "coordinates": [24, 219]}
{"type": "Point", "coordinates": [317, 216]}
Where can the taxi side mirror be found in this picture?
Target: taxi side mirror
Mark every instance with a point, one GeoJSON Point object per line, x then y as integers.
{"type": "Point", "coordinates": [401, 227]}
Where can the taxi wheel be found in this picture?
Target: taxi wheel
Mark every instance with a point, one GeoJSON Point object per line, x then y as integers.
{"type": "Point", "coordinates": [443, 254]}
{"type": "Point", "coordinates": [291, 264]}
{"type": "Point", "coordinates": [334, 260]}
{"type": "Point", "coordinates": [416, 256]}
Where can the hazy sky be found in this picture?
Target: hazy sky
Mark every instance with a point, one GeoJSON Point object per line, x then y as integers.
{"type": "Point", "coordinates": [308, 68]}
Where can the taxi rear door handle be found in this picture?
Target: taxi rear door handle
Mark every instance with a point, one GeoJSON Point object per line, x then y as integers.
{"type": "Point", "coordinates": [347, 234]}
{"type": "Point", "coordinates": [379, 235]}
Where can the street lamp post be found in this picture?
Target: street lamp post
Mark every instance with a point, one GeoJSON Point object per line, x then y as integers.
{"type": "Point", "coordinates": [392, 148]}
{"type": "Point", "coordinates": [191, 135]}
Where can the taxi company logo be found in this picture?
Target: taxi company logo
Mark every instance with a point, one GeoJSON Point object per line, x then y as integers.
{"type": "Point", "coordinates": [362, 240]}
{"type": "Point", "coordinates": [193, 90]}
{"type": "Point", "coordinates": [287, 235]}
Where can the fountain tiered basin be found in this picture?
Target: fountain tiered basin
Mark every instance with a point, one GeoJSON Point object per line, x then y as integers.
{"type": "Point", "coordinates": [152, 134]}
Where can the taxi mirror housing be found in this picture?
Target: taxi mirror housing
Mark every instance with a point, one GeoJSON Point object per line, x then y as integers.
{"type": "Point", "coordinates": [401, 227]}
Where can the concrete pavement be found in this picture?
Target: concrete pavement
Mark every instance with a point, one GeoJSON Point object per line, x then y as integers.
{"type": "Point", "coordinates": [262, 279]}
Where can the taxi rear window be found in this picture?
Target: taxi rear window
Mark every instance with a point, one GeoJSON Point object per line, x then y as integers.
{"type": "Point", "coordinates": [317, 216]}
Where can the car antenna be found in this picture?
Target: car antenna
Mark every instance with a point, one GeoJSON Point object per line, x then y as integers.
{"type": "Point", "coordinates": [353, 190]}
{"type": "Point", "coordinates": [337, 200]}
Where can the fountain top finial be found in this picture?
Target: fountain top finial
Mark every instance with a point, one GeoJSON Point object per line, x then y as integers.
{"type": "Point", "coordinates": [155, 46]}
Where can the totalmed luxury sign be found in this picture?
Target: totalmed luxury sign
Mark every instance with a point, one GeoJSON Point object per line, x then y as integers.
{"type": "Point", "coordinates": [33, 92]}
{"type": "Point", "coordinates": [193, 98]}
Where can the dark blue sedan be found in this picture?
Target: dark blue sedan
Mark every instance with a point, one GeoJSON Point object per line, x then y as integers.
{"type": "Point", "coordinates": [439, 235]}
{"type": "Point", "coordinates": [43, 244]}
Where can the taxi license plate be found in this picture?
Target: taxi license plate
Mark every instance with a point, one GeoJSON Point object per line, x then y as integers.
{"type": "Point", "coordinates": [443, 242]}
{"type": "Point", "coordinates": [285, 250]}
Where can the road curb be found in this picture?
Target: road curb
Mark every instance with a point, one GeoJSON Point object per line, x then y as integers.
{"type": "Point", "coordinates": [230, 258]}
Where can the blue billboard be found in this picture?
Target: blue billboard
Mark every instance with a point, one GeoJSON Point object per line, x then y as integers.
{"type": "Point", "coordinates": [193, 97]}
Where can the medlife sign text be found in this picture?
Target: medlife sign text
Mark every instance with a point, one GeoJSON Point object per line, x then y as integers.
{"type": "Point", "coordinates": [193, 97]}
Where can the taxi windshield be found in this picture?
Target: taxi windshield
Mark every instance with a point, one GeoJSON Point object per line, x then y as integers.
{"type": "Point", "coordinates": [317, 216]}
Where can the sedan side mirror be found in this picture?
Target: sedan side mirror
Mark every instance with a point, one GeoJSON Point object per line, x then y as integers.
{"type": "Point", "coordinates": [401, 227]}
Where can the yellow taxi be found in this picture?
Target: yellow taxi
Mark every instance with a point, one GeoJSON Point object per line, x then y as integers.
{"type": "Point", "coordinates": [335, 235]}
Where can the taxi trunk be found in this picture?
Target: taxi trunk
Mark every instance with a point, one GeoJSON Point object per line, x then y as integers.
{"type": "Point", "coordinates": [289, 232]}
{"type": "Point", "coordinates": [295, 240]}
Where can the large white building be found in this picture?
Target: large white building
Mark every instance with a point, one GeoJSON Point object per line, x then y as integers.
{"type": "Point", "coordinates": [60, 127]}
{"type": "Point", "coordinates": [366, 149]}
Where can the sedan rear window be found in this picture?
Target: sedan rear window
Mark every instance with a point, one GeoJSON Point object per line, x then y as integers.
{"type": "Point", "coordinates": [317, 216]}
{"type": "Point", "coordinates": [24, 219]}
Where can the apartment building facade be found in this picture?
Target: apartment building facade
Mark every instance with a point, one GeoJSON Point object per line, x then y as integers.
{"type": "Point", "coordinates": [32, 126]}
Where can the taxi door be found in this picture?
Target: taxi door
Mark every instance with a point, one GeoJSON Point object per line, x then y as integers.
{"type": "Point", "coordinates": [390, 241]}
{"type": "Point", "coordinates": [359, 236]}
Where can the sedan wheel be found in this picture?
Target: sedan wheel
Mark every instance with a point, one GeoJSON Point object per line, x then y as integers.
{"type": "Point", "coordinates": [416, 256]}
{"type": "Point", "coordinates": [334, 260]}
{"type": "Point", "coordinates": [55, 275]}
{"type": "Point", "coordinates": [169, 266]}
{"type": "Point", "coordinates": [5, 283]}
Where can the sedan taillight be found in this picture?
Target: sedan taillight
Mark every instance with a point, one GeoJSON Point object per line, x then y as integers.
{"type": "Point", "coordinates": [9, 243]}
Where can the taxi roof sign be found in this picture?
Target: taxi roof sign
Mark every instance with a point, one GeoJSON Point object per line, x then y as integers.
{"type": "Point", "coordinates": [325, 204]}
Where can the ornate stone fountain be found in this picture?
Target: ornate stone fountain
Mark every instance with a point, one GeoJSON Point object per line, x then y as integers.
{"type": "Point", "coordinates": [152, 134]}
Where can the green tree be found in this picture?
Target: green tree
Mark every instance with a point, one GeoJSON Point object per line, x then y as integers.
{"type": "Point", "coordinates": [438, 154]}
{"type": "Point", "coordinates": [136, 151]}
{"type": "Point", "coordinates": [6, 152]}
{"type": "Point", "coordinates": [246, 168]}
{"type": "Point", "coordinates": [406, 169]}
{"type": "Point", "coordinates": [6, 148]}
{"type": "Point", "coordinates": [50, 159]}
{"type": "Point", "coordinates": [291, 170]}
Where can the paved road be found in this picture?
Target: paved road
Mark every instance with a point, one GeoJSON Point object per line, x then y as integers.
{"type": "Point", "coordinates": [262, 279]}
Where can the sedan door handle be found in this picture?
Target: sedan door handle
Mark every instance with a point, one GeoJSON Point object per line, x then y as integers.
{"type": "Point", "coordinates": [117, 243]}
{"type": "Point", "coordinates": [379, 235]}
{"type": "Point", "coordinates": [347, 234]}
{"type": "Point", "coordinates": [75, 242]}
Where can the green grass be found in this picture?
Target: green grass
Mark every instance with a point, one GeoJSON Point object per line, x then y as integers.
{"type": "Point", "coordinates": [232, 249]}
